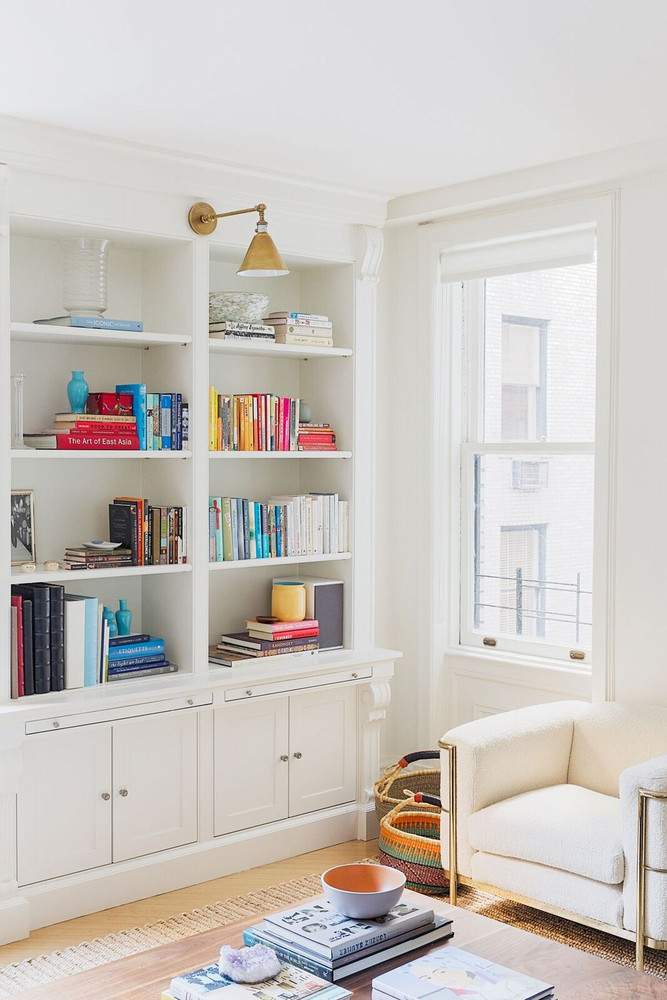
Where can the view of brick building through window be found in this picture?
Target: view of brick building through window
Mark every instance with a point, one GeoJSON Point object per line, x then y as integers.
{"type": "Point", "coordinates": [533, 511]}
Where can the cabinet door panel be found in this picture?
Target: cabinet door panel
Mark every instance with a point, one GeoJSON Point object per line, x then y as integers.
{"type": "Point", "coordinates": [323, 749]}
{"type": "Point", "coordinates": [155, 763]}
{"type": "Point", "coordinates": [64, 824]}
{"type": "Point", "coordinates": [250, 778]}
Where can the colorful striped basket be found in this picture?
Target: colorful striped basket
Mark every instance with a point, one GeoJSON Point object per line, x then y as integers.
{"type": "Point", "coordinates": [410, 841]}
{"type": "Point", "coordinates": [389, 788]}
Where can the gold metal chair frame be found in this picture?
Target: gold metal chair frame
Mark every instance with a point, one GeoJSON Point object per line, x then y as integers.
{"type": "Point", "coordinates": [640, 938]}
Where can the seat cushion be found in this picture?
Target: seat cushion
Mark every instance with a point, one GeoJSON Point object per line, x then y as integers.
{"type": "Point", "coordinates": [559, 890]}
{"type": "Point", "coordinates": [562, 826]}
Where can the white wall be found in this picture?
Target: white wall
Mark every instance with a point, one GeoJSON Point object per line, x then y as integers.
{"type": "Point", "coordinates": [464, 686]}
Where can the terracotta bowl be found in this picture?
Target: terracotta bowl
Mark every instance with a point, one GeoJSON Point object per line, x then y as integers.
{"type": "Point", "coordinates": [363, 891]}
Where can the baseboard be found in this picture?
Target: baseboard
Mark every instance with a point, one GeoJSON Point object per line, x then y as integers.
{"type": "Point", "coordinates": [14, 919]}
{"type": "Point", "coordinates": [101, 888]}
{"type": "Point", "coordinates": [368, 828]}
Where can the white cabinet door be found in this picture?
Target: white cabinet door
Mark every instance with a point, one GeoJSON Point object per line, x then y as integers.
{"type": "Point", "coordinates": [64, 803]}
{"type": "Point", "coordinates": [251, 764]}
{"type": "Point", "coordinates": [323, 749]}
{"type": "Point", "coordinates": [154, 784]}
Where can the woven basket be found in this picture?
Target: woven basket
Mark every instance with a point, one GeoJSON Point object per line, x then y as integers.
{"type": "Point", "coordinates": [410, 842]}
{"type": "Point", "coordinates": [389, 788]}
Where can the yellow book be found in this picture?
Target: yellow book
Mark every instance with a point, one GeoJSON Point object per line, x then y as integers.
{"type": "Point", "coordinates": [211, 411]}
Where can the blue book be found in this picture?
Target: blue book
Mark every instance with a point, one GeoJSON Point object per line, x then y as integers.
{"type": "Point", "coordinates": [279, 531]}
{"type": "Point", "coordinates": [138, 392]}
{"type": "Point", "coordinates": [177, 415]}
{"type": "Point", "coordinates": [129, 640]}
{"type": "Point", "coordinates": [130, 668]}
{"type": "Point", "coordinates": [259, 548]}
{"type": "Point", "coordinates": [266, 542]}
{"type": "Point", "coordinates": [95, 323]}
{"type": "Point", "coordinates": [165, 421]}
{"type": "Point", "coordinates": [136, 661]}
{"type": "Point", "coordinates": [140, 649]}
{"type": "Point", "coordinates": [91, 640]}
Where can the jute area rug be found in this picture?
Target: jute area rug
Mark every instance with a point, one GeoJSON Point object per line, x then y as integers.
{"type": "Point", "coordinates": [59, 964]}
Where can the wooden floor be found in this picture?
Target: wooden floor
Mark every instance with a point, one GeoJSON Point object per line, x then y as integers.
{"type": "Point", "coordinates": [145, 911]}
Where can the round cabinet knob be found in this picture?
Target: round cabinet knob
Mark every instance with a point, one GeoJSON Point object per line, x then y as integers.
{"type": "Point", "coordinates": [123, 792]}
{"type": "Point", "coordinates": [249, 692]}
{"type": "Point", "coordinates": [106, 796]}
{"type": "Point", "coordinates": [190, 701]}
{"type": "Point", "coordinates": [355, 675]}
{"type": "Point", "coordinates": [284, 757]}
{"type": "Point", "coordinates": [298, 755]}
{"type": "Point", "coordinates": [56, 724]}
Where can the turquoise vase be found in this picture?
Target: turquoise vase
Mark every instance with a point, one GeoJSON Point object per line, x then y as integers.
{"type": "Point", "coordinates": [77, 393]}
{"type": "Point", "coordinates": [124, 618]}
{"type": "Point", "coordinates": [109, 616]}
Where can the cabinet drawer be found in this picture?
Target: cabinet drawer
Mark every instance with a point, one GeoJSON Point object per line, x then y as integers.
{"type": "Point", "coordinates": [298, 683]}
{"type": "Point", "coordinates": [112, 714]}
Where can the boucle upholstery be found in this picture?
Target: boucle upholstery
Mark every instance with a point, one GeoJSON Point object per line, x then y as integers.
{"type": "Point", "coordinates": [547, 807]}
{"type": "Point", "coordinates": [652, 775]}
{"type": "Point", "coordinates": [562, 826]}
{"type": "Point", "coordinates": [611, 737]}
{"type": "Point", "coordinates": [503, 755]}
{"type": "Point", "coordinates": [552, 887]}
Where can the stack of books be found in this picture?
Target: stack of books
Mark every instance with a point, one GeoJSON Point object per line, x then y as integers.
{"type": "Point", "coordinates": [137, 656]}
{"type": "Point", "coordinates": [291, 983]}
{"type": "Point", "coordinates": [316, 437]}
{"type": "Point", "coordinates": [252, 422]}
{"type": "Point", "coordinates": [83, 557]}
{"type": "Point", "coordinates": [295, 525]}
{"type": "Point", "coordinates": [240, 331]}
{"type": "Point", "coordinates": [243, 645]}
{"type": "Point", "coordinates": [154, 535]}
{"type": "Point", "coordinates": [332, 946]}
{"type": "Point", "coordinates": [452, 972]}
{"type": "Point", "coordinates": [87, 431]}
{"type": "Point", "coordinates": [305, 329]}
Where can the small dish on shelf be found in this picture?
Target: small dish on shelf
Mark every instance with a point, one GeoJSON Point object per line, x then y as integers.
{"type": "Point", "coordinates": [99, 544]}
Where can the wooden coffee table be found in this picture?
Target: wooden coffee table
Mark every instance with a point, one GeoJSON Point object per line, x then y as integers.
{"type": "Point", "coordinates": [575, 975]}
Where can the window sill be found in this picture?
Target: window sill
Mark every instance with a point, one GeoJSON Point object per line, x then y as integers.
{"type": "Point", "coordinates": [522, 661]}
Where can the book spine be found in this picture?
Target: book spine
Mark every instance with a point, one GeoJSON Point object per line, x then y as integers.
{"type": "Point", "coordinates": [138, 649]}
{"type": "Point", "coordinates": [165, 429]}
{"type": "Point", "coordinates": [178, 422]}
{"type": "Point", "coordinates": [138, 393]}
{"type": "Point", "coordinates": [137, 667]}
{"type": "Point", "coordinates": [135, 661]}
{"type": "Point", "coordinates": [185, 423]}
{"type": "Point", "coordinates": [246, 531]}
{"type": "Point", "coordinates": [97, 426]}
{"type": "Point", "coordinates": [100, 323]}
{"type": "Point", "coordinates": [309, 318]}
{"type": "Point", "coordinates": [167, 668]}
{"type": "Point", "coordinates": [285, 955]}
{"type": "Point", "coordinates": [128, 640]}
{"type": "Point", "coordinates": [303, 633]}
{"type": "Point", "coordinates": [101, 441]}
{"type": "Point", "coordinates": [257, 510]}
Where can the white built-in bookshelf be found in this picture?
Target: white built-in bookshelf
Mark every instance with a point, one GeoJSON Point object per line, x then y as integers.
{"type": "Point", "coordinates": [164, 281]}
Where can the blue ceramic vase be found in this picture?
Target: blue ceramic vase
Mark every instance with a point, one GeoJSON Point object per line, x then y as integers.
{"type": "Point", "coordinates": [109, 616]}
{"type": "Point", "coordinates": [77, 392]}
{"type": "Point", "coordinates": [124, 618]}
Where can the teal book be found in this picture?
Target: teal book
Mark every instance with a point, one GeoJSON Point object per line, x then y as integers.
{"type": "Point", "coordinates": [258, 530]}
{"type": "Point", "coordinates": [91, 640]}
{"type": "Point", "coordinates": [138, 392]}
{"type": "Point", "coordinates": [154, 645]}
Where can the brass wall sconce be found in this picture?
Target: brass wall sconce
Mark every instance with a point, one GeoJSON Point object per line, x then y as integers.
{"type": "Point", "coordinates": [262, 259]}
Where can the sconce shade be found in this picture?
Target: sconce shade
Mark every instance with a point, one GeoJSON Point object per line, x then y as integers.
{"type": "Point", "coordinates": [262, 259]}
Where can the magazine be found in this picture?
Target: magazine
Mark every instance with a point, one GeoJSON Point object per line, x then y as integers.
{"type": "Point", "coordinates": [290, 984]}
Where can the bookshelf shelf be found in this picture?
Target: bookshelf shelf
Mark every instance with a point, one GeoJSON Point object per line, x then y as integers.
{"type": "Point", "coordinates": [47, 453]}
{"type": "Point", "coordinates": [66, 575]}
{"type": "Point", "coordinates": [241, 348]}
{"type": "Point", "coordinates": [38, 333]}
{"type": "Point", "coordinates": [281, 454]}
{"type": "Point", "coordinates": [282, 561]}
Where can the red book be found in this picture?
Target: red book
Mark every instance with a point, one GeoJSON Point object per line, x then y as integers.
{"type": "Point", "coordinates": [104, 441]}
{"type": "Point", "coordinates": [317, 438]}
{"type": "Point", "coordinates": [288, 634]}
{"type": "Point", "coordinates": [315, 446]}
{"type": "Point", "coordinates": [275, 628]}
{"type": "Point", "coordinates": [93, 425]}
{"type": "Point", "coordinates": [17, 602]}
{"type": "Point", "coordinates": [109, 403]}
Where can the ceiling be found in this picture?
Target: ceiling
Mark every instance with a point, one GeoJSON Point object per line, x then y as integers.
{"type": "Point", "coordinates": [390, 96]}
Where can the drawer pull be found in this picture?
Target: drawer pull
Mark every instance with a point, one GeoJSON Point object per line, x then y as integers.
{"type": "Point", "coordinates": [190, 701]}
{"type": "Point", "coordinates": [123, 792]}
{"type": "Point", "coordinates": [249, 692]}
{"type": "Point", "coordinates": [355, 675]}
{"type": "Point", "coordinates": [56, 724]}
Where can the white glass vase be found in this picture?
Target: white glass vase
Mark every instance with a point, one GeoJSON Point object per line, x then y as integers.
{"type": "Point", "coordinates": [85, 276]}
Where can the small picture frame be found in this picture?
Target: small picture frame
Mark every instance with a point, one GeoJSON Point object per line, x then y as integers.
{"type": "Point", "coordinates": [23, 527]}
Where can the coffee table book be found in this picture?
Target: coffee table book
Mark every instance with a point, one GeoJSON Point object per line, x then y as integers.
{"type": "Point", "coordinates": [385, 951]}
{"type": "Point", "coordinates": [208, 983]}
{"type": "Point", "coordinates": [448, 973]}
{"type": "Point", "coordinates": [318, 928]}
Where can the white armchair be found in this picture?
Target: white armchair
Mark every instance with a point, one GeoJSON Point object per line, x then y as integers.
{"type": "Point", "coordinates": [562, 805]}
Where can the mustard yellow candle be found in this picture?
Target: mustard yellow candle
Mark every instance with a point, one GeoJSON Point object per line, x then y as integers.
{"type": "Point", "coordinates": [288, 601]}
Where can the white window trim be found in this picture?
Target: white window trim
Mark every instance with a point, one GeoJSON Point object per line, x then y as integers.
{"type": "Point", "coordinates": [439, 310]}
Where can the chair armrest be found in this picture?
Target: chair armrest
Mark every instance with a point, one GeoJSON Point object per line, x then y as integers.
{"type": "Point", "coordinates": [651, 775]}
{"type": "Point", "coordinates": [504, 755]}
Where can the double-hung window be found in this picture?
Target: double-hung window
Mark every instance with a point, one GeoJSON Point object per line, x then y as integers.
{"type": "Point", "coordinates": [527, 324]}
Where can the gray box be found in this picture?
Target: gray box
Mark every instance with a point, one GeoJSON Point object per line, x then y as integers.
{"type": "Point", "coordinates": [324, 601]}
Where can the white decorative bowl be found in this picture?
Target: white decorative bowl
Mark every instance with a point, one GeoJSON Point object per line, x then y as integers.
{"type": "Point", "coordinates": [237, 307]}
{"type": "Point", "coordinates": [363, 891]}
